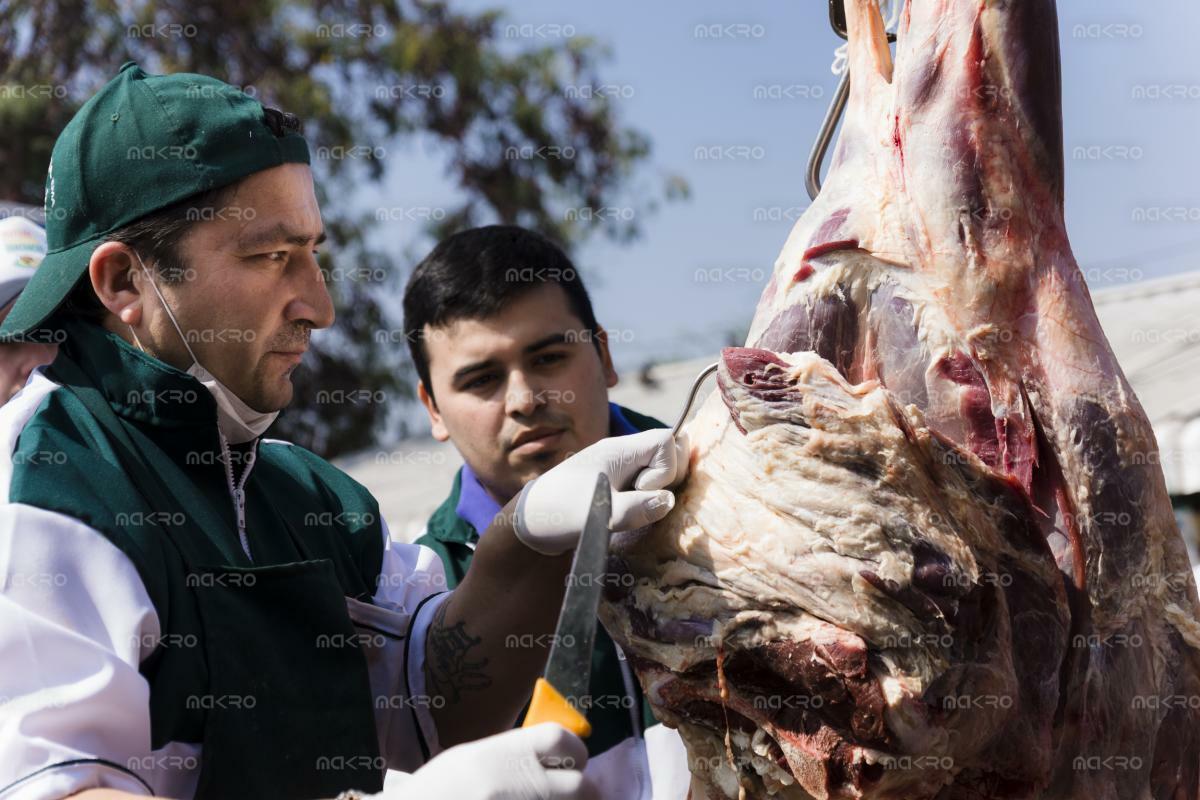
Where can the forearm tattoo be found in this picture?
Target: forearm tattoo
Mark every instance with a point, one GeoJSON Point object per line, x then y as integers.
{"type": "Point", "coordinates": [449, 668]}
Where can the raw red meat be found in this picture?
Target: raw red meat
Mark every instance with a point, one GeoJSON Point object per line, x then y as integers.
{"type": "Point", "coordinates": [925, 550]}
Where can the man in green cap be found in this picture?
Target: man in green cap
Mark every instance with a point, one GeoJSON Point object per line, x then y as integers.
{"type": "Point", "coordinates": [190, 610]}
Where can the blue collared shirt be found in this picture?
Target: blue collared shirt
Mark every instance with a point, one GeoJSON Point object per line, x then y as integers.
{"type": "Point", "coordinates": [478, 508]}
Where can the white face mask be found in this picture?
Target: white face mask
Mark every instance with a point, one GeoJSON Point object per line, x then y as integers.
{"type": "Point", "coordinates": [236, 420]}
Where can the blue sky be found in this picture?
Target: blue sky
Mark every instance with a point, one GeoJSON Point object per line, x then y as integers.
{"type": "Point", "coordinates": [687, 92]}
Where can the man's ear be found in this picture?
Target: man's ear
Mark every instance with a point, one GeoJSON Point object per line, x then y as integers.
{"type": "Point", "coordinates": [113, 271]}
{"type": "Point", "coordinates": [435, 419]}
{"type": "Point", "coordinates": [610, 372]}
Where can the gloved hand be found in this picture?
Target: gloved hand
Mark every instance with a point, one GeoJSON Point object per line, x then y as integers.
{"type": "Point", "coordinates": [553, 507]}
{"type": "Point", "coordinates": [544, 762]}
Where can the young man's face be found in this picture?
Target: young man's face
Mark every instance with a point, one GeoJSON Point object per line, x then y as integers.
{"type": "Point", "coordinates": [252, 291]}
{"type": "Point", "coordinates": [518, 392]}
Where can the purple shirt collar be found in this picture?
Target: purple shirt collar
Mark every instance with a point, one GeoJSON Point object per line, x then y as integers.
{"type": "Point", "coordinates": [478, 508]}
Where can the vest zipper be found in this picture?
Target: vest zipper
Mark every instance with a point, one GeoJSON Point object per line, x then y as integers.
{"type": "Point", "coordinates": [238, 492]}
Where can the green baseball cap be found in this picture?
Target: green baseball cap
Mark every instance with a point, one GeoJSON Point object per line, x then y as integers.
{"type": "Point", "coordinates": [142, 143]}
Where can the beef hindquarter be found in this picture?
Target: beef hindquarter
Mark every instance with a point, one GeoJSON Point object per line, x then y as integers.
{"type": "Point", "coordinates": [925, 550]}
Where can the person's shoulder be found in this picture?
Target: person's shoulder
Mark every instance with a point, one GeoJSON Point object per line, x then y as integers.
{"type": "Point", "coordinates": [313, 490]}
{"type": "Point", "coordinates": [310, 472]}
{"type": "Point", "coordinates": [40, 411]}
{"type": "Point", "coordinates": [59, 480]}
{"type": "Point", "coordinates": [450, 536]}
{"type": "Point", "coordinates": [52, 453]}
{"type": "Point", "coordinates": [444, 525]}
{"type": "Point", "coordinates": [642, 422]}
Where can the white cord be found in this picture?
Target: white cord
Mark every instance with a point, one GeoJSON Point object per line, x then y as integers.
{"type": "Point", "coordinates": [891, 19]}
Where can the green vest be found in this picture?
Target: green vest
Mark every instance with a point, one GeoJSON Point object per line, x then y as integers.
{"type": "Point", "coordinates": [259, 662]}
{"type": "Point", "coordinates": [452, 537]}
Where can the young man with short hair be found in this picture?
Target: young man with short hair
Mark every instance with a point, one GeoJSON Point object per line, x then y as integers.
{"type": "Point", "coordinates": [515, 370]}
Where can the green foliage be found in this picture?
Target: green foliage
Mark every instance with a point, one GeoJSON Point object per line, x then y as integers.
{"type": "Point", "coordinates": [523, 139]}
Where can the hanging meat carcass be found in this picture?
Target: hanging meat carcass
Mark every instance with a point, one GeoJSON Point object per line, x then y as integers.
{"type": "Point", "coordinates": [925, 550]}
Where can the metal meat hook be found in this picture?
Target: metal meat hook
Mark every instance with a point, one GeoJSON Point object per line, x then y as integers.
{"type": "Point", "coordinates": [687, 408]}
{"type": "Point", "coordinates": [812, 179]}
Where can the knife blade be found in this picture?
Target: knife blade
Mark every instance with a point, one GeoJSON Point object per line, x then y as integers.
{"type": "Point", "coordinates": [561, 694]}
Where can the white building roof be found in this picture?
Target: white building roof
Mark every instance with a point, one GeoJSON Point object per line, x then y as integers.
{"type": "Point", "coordinates": [1154, 329]}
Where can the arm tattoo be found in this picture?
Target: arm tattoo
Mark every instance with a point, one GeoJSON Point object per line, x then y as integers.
{"type": "Point", "coordinates": [447, 669]}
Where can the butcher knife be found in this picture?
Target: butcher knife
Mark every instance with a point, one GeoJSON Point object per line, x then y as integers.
{"type": "Point", "coordinates": [561, 694]}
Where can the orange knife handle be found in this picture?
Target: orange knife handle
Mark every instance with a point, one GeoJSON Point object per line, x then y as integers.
{"type": "Point", "coordinates": [548, 705]}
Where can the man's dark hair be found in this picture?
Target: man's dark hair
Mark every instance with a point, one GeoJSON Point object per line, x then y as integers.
{"type": "Point", "coordinates": [157, 236]}
{"type": "Point", "coordinates": [475, 273]}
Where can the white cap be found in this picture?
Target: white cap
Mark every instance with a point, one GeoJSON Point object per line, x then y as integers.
{"type": "Point", "coordinates": [22, 248]}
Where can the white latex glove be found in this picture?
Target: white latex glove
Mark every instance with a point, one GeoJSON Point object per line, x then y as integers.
{"type": "Point", "coordinates": [553, 507]}
{"type": "Point", "coordinates": [544, 762]}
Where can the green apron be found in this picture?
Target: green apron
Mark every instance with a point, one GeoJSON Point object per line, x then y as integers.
{"type": "Point", "coordinates": [288, 712]}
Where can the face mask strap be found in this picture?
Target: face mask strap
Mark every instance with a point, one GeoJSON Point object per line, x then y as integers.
{"type": "Point", "coordinates": [136, 341]}
{"type": "Point", "coordinates": [167, 308]}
